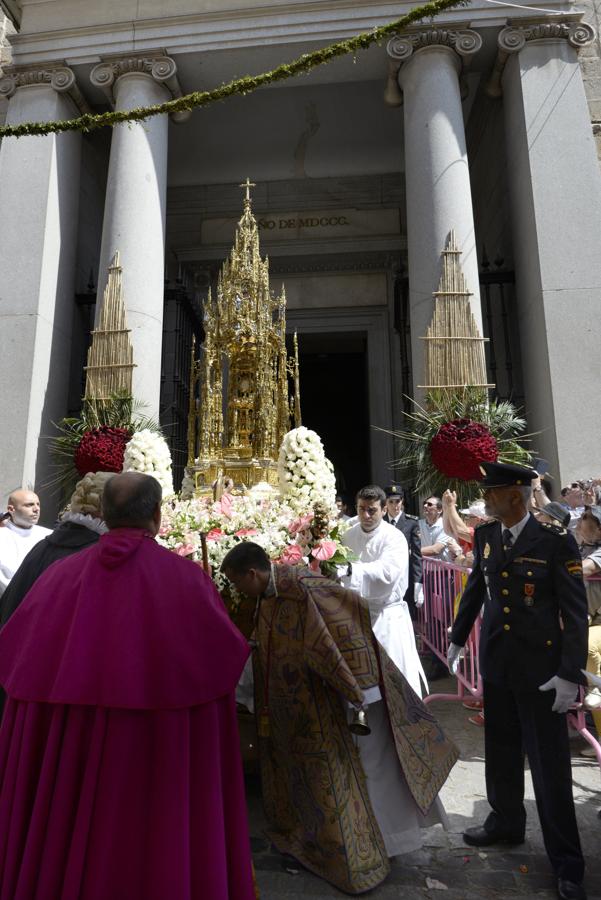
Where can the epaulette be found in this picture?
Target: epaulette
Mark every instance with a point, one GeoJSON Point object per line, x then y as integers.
{"type": "Point", "coordinates": [484, 524]}
{"type": "Point", "coordinates": [409, 516]}
{"type": "Point", "coordinates": [551, 526]}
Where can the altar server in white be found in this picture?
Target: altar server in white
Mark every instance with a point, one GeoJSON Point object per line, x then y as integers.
{"type": "Point", "coordinates": [381, 577]}
{"type": "Point", "coordinates": [19, 533]}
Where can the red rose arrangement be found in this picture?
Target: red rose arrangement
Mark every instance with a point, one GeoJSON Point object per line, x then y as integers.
{"type": "Point", "coordinates": [101, 450]}
{"type": "Point", "coordinates": [458, 448]}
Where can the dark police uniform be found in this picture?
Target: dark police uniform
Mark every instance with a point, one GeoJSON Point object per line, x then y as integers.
{"type": "Point", "coordinates": [534, 627]}
{"type": "Point", "coordinates": [409, 526]}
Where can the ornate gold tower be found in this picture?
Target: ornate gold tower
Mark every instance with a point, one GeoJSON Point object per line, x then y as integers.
{"type": "Point", "coordinates": [244, 354]}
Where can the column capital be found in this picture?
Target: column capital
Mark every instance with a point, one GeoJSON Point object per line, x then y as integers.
{"type": "Point", "coordinates": [59, 77]}
{"type": "Point", "coordinates": [519, 32]}
{"type": "Point", "coordinates": [158, 66]}
{"type": "Point", "coordinates": [464, 41]}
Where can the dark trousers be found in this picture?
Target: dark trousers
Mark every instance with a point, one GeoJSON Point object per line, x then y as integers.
{"type": "Point", "coordinates": [519, 723]}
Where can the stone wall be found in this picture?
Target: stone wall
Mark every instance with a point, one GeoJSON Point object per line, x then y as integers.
{"type": "Point", "coordinates": [6, 29]}
{"type": "Point", "coordinates": [590, 62]}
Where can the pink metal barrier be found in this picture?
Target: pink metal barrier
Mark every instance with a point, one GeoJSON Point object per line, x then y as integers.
{"type": "Point", "coordinates": [443, 586]}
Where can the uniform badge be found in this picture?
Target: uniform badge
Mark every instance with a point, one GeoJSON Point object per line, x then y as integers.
{"type": "Point", "coordinates": [486, 552]}
{"type": "Point", "coordinates": [574, 567]}
{"type": "Point", "coordinates": [529, 595]}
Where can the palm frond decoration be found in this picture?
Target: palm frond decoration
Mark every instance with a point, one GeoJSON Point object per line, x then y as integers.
{"type": "Point", "coordinates": [442, 409]}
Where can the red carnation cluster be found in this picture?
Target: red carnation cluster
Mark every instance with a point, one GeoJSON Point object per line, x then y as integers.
{"type": "Point", "coordinates": [101, 450]}
{"type": "Point", "coordinates": [458, 448]}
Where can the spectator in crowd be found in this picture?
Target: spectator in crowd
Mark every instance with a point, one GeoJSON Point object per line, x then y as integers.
{"type": "Point", "coordinates": [574, 497]}
{"type": "Point", "coordinates": [589, 536]}
{"type": "Point", "coordinates": [462, 529]}
{"type": "Point", "coordinates": [553, 513]}
{"type": "Point", "coordinates": [343, 508]}
{"type": "Point", "coordinates": [21, 532]}
{"type": "Point", "coordinates": [435, 542]}
{"type": "Point", "coordinates": [409, 525]}
{"type": "Point", "coordinates": [79, 527]}
{"type": "Point", "coordinates": [121, 773]}
{"type": "Point", "coordinates": [528, 577]}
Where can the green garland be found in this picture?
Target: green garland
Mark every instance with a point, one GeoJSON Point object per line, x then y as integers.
{"type": "Point", "coordinates": [243, 85]}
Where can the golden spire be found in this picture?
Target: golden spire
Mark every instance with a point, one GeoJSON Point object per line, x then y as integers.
{"type": "Point", "coordinates": [245, 348]}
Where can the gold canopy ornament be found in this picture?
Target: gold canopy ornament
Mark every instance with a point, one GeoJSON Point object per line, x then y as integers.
{"type": "Point", "coordinates": [454, 353]}
{"type": "Point", "coordinates": [244, 361]}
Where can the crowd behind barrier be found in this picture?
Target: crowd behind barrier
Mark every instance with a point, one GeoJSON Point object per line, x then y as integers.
{"type": "Point", "coordinates": [444, 583]}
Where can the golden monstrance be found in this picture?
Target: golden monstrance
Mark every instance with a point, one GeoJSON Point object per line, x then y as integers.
{"type": "Point", "coordinates": [240, 408]}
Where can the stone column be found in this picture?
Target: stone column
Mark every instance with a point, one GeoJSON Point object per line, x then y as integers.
{"type": "Point", "coordinates": [437, 177]}
{"type": "Point", "coordinates": [555, 194]}
{"type": "Point", "coordinates": [134, 214]}
{"type": "Point", "coordinates": [39, 197]}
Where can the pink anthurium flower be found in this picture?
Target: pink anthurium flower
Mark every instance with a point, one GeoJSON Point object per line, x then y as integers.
{"type": "Point", "coordinates": [324, 550]}
{"type": "Point", "coordinates": [292, 555]}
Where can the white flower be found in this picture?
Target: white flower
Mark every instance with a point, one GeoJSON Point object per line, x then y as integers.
{"type": "Point", "coordinates": [147, 452]}
{"type": "Point", "coordinates": [306, 476]}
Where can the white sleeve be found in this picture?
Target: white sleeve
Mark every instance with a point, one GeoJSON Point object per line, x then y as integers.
{"type": "Point", "coordinates": [385, 578]}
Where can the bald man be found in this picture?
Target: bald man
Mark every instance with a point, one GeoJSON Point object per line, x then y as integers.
{"type": "Point", "coordinates": [20, 533]}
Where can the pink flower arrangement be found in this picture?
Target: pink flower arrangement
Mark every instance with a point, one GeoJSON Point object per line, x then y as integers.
{"type": "Point", "coordinates": [292, 555]}
{"type": "Point", "coordinates": [224, 506]}
{"type": "Point", "coordinates": [215, 534]}
{"type": "Point", "coordinates": [300, 524]}
{"type": "Point", "coordinates": [245, 532]}
{"type": "Point", "coordinates": [324, 550]}
{"type": "Point", "coordinates": [185, 549]}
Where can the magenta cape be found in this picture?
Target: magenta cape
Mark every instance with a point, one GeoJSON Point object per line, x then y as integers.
{"type": "Point", "coordinates": [120, 773]}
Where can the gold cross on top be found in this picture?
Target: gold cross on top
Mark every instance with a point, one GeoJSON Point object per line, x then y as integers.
{"type": "Point", "coordinates": [247, 184]}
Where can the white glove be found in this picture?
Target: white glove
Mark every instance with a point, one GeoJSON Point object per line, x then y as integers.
{"type": "Point", "coordinates": [593, 680]}
{"type": "Point", "coordinates": [454, 652]}
{"type": "Point", "coordinates": [418, 594]}
{"type": "Point", "coordinates": [565, 692]}
{"type": "Point", "coordinates": [342, 571]}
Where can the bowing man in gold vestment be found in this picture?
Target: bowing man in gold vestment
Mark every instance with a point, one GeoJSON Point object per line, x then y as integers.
{"type": "Point", "coordinates": [316, 655]}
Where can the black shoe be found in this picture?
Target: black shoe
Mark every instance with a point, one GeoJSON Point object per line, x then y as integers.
{"type": "Point", "coordinates": [569, 890]}
{"type": "Point", "coordinates": [480, 837]}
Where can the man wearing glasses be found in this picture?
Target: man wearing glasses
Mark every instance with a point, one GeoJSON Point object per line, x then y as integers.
{"type": "Point", "coordinates": [435, 542]}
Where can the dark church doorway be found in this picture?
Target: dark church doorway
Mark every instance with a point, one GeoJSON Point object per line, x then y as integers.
{"type": "Point", "coordinates": [334, 402]}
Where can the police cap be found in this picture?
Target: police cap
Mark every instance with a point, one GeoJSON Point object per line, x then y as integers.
{"type": "Point", "coordinates": [505, 475]}
{"type": "Point", "coordinates": [394, 490]}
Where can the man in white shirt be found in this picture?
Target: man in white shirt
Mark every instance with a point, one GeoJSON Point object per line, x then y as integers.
{"type": "Point", "coordinates": [20, 533]}
{"type": "Point", "coordinates": [380, 576]}
{"type": "Point", "coordinates": [436, 543]}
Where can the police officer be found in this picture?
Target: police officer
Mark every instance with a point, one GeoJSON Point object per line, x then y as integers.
{"type": "Point", "coordinates": [533, 644]}
{"type": "Point", "coordinates": [409, 525]}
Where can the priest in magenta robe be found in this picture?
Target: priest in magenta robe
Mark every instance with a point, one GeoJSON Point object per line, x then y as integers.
{"type": "Point", "coordinates": [120, 771]}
